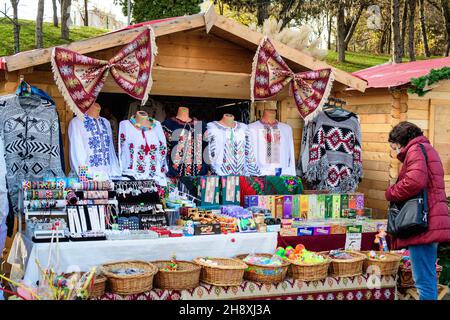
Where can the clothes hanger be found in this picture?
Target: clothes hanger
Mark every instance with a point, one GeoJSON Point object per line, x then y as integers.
{"type": "Point", "coordinates": [25, 90]}
{"type": "Point", "coordinates": [334, 107]}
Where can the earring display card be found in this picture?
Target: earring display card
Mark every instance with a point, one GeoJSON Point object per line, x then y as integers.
{"type": "Point", "coordinates": [209, 190]}
{"type": "Point", "coordinates": [230, 190]}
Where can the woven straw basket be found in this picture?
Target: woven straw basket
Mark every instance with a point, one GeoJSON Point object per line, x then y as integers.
{"type": "Point", "coordinates": [309, 272]}
{"type": "Point", "coordinates": [264, 274]}
{"type": "Point", "coordinates": [406, 280]}
{"type": "Point", "coordinates": [187, 276]}
{"type": "Point", "coordinates": [130, 284]}
{"type": "Point", "coordinates": [98, 289]}
{"type": "Point", "coordinates": [347, 268]}
{"type": "Point", "coordinates": [228, 272]}
{"type": "Point", "coordinates": [386, 267]}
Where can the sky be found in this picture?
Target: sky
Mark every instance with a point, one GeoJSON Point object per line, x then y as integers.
{"type": "Point", "coordinates": [28, 8]}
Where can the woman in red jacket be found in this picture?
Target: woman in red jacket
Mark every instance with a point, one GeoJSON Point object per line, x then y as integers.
{"type": "Point", "coordinates": [414, 176]}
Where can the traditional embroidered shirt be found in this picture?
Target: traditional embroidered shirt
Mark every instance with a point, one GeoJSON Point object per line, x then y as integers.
{"type": "Point", "coordinates": [30, 131]}
{"type": "Point", "coordinates": [335, 162]}
{"type": "Point", "coordinates": [230, 150]}
{"type": "Point", "coordinates": [185, 146]}
{"type": "Point", "coordinates": [142, 153]}
{"type": "Point", "coordinates": [274, 147]}
{"type": "Point", "coordinates": [91, 144]}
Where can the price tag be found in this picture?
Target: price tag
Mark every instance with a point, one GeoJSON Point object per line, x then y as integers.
{"type": "Point", "coordinates": [353, 238]}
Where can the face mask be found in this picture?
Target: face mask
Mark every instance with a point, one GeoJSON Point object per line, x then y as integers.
{"type": "Point", "coordinates": [398, 150]}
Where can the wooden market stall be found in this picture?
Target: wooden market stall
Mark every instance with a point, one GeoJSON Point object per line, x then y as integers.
{"type": "Point", "coordinates": [204, 55]}
{"type": "Point", "coordinates": [385, 103]}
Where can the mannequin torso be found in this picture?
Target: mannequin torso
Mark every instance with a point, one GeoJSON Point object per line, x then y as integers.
{"type": "Point", "coordinates": [183, 114]}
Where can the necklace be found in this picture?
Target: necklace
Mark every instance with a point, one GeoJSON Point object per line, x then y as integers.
{"type": "Point", "coordinates": [140, 126]}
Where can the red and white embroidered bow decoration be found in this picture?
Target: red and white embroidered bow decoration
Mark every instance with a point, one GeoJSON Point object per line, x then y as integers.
{"type": "Point", "coordinates": [270, 75]}
{"type": "Point", "coordinates": [80, 78]}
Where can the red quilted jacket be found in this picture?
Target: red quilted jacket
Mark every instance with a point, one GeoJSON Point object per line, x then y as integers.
{"type": "Point", "coordinates": [413, 177]}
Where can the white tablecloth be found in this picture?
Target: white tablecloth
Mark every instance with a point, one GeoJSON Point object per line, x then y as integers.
{"type": "Point", "coordinates": [80, 256]}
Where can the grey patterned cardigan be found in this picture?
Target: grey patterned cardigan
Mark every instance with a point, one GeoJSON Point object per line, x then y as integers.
{"type": "Point", "coordinates": [30, 130]}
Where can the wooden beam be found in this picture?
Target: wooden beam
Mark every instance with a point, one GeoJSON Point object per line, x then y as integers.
{"type": "Point", "coordinates": [113, 39]}
{"type": "Point", "coordinates": [238, 33]}
{"type": "Point", "coordinates": [194, 83]}
{"type": "Point", "coordinates": [210, 17]}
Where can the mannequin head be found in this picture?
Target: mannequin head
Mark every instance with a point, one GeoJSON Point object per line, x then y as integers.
{"type": "Point", "coordinates": [183, 113]}
{"type": "Point", "coordinates": [269, 115]}
{"type": "Point", "coordinates": [228, 120]}
{"type": "Point", "coordinates": [94, 110]}
{"type": "Point", "coordinates": [142, 119]}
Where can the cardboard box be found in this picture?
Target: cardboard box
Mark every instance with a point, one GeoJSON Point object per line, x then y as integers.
{"type": "Point", "coordinates": [320, 213]}
{"type": "Point", "coordinates": [360, 201]}
{"type": "Point", "coordinates": [338, 229]}
{"type": "Point", "coordinates": [288, 232]}
{"type": "Point", "coordinates": [349, 213]}
{"type": "Point", "coordinates": [344, 204]}
{"type": "Point", "coordinates": [304, 206]}
{"type": "Point", "coordinates": [279, 205]}
{"type": "Point", "coordinates": [336, 214]}
{"type": "Point", "coordinates": [352, 201]}
{"type": "Point", "coordinates": [250, 201]}
{"type": "Point", "coordinates": [328, 206]}
{"type": "Point", "coordinates": [287, 207]}
{"type": "Point", "coordinates": [321, 231]}
{"type": "Point", "coordinates": [262, 202]}
{"type": "Point", "coordinates": [305, 231]}
{"type": "Point", "coordinates": [273, 228]}
{"type": "Point", "coordinates": [271, 205]}
{"type": "Point", "coordinates": [296, 206]}
{"type": "Point", "coordinates": [312, 206]}
{"type": "Point", "coordinates": [207, 229]}
{"type": "Point", "coordinates": [286, 223]}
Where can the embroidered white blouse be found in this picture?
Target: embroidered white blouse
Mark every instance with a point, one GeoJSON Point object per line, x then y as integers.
{"type": "Point", "coordinates": [230, 151]}
{"type": "Point", "coordinates": [274, 147]}
{"type": "Point", "coordinates": [91, 144]}
{"type": "Point", "coordinates": [142, 154]}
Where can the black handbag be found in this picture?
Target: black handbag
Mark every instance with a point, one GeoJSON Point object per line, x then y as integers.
{"type": "Point", "coordinates": [409, 218]}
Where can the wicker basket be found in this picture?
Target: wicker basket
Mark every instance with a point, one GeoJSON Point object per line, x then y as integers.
{"type": "Point", "coordinates": [309, 272]}
{"type": "Point", "coordinates": [347, 268]}
{"type": "Point", "coordinates": [187, 276]}
{"type": "Point", "coordinates": [130, 284]}
{"type": "Point", "coordinates": [386, 267]}
{"type": "Point", "coordinates": [264, 274]}
{"type": "Point", "coordinates": [98, 289]}
{"type": "Point", "coordinates": [406, 280]}
{"type": "Point", "coordinates": [228, 272]}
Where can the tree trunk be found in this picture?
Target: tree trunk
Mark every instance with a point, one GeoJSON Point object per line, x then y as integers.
{"type": "Point", "coordinates": [341, 33]}
{"type": "Point", "coordinates": [86, 15]}
{"type": "Point", "coordinates": [412, 12]}
{"type": "Point", "coordinates": [65, 16]}
{"type": "Point", "coordinates": [404, 24]}
{"type": "Point", "coordinates": [423, 28]}
{"type": "Point", "coordinates": [55, 13]}
{"type": "Point", "coordinates": [261, 11]}
{"type": "Point", "coordinates": [330, 21]}
{"type": "Point", "coordinates": [446, 14]}
{"type": "Point", "coordinates": [16, 26]}
{"type": "Point", "coordinates": [395, 27]}
{"type": "Point", "coordinates": [352, 27]}
{"type": "Point", "coordinates": [382, 42]}
{"type": "Point", "coordinates": [38, 37]}
{"type": "Point", "coordinates": [388, 42]}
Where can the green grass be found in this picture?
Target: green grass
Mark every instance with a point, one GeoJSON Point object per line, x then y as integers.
{"type": "Point", "coordinates": [355, 61]}
{"type": "Point", "coordinates": [51, 35]}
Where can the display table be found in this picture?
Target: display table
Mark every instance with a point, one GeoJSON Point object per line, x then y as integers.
{"type": "Point", "coordinates": [74, 256]}
{"type": "Point", "coordinates": [353, 288]}
{"type": "Point", "coordinates": [329, 242]}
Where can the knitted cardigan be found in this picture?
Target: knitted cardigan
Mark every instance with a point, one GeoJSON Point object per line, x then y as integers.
{"type": "Point", "coordinates": [30, 131]}
{"type": "Point", "coordinates": [334, 156]}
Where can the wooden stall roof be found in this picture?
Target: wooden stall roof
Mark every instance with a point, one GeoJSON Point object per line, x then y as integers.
{"type": "Point", "coordinates": [220, 26]}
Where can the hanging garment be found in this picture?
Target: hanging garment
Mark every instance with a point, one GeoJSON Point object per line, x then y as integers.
{"type": "Point", "coordinates": [30, 130]}
{"type": "Point", "coordinates": [230, 150]}
{"type": "Point", "coordinates": [185, 146]}
{"type": "Point", "coordinates": [250, 186]}
{"type": "Point", "coordinates": [91, 145]}
{"type": "Point", "coordinates": [154, 109]}
{"type": "Point", "coordinates": [335, 162]}
{"type": "Point", "coordinates": [4, 207]}
{"type": "Point", "coordinates": [142, 153]}
{"type": "Point", "coordinates": [274, 147]}
{"type": "Point", "coordinates": [307, 136]}
{"type": "Point", "coordinates": [114, 129]}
